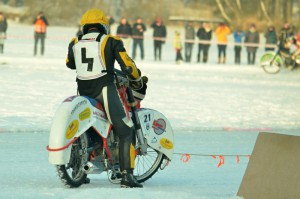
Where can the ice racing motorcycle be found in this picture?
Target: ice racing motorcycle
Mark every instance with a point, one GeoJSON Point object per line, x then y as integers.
{"type": "Point", "coordinates": [83, 142]}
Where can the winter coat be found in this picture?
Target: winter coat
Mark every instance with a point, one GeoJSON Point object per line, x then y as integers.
{"type": "Point", "coordinates": [271, 37]}
{"type": "Point", "coordinates": [204, 34]}
{"type": "Point", "coordinates": [159, 31]}
{"type": "Point", "coordinates": [252, 37]}
{"type": "Point", "coordinates": [138, 30]}
{"type": "Point", "coordinates": [189, 33]}
{"type": "Point", "coordinates": [40, 25]}
{"type": "Point", "coordinates": [124, 30]}
{"type": "Point", "coordinates": [222, 32]}
{"type": "Point", "coordinates": [238, 36]}
{"type": "Point", "coordinates": [3, 25]}
{"type": "Point", "coordinates": [177, 42]}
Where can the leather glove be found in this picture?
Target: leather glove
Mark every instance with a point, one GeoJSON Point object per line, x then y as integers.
{"type": "Point", "coordinates": [139, 94]}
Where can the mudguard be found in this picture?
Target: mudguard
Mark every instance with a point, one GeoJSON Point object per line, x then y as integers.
{"type": "Point", "coordinates": [157, 130]}
{"type": "Point", "coordinates": [73, 117]}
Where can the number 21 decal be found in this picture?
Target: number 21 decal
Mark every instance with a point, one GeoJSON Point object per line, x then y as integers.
{"type": "Point", "coordinates": [147, 118]}
{"type": "Point", "coordinates": [85, 60]}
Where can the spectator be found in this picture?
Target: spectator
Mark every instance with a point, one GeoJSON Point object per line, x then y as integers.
{"type": "Point", "coordinates": [138, 30]}
{"type": "Point", "coordinates": [204, 35]}
{"type": "Point", "coordinates": [40, 24]}
{"type": "Point", "coordinates": [189, 40]}
{"type": "Point", "coordinates": [3, 28]}
{"type": "Point", "coordinates": [222, 32]}
{"type": "Point", "coordinates": [178, 47]}
{"type": "Point", "coordinates": [111, 21]}
{"type": "Point", "coordinates": [271, 38]}
{"type": "Point", "coordinates": [252, 39]}
{"type": "Point", "coordinates": [124, 31]}
{"type": "Point", "coordinates": [238, 36]}
{"type": "Point", "coordinates": [159, 36]}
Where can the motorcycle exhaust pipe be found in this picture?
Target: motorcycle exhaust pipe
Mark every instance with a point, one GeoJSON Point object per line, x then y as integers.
{"type": "Point", "coordinates": [90, 168]}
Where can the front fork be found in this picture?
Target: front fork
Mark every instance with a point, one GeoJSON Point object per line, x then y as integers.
{"type": "Point", "coordinates": [274, 58]}
{"type": "Point", "coordinates": [142, 144]}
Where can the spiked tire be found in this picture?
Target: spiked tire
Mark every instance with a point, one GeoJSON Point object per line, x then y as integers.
{"type": "Point", "coordinates": [72, 174]}
{"type": "Point", "coordinates": [147, 165]}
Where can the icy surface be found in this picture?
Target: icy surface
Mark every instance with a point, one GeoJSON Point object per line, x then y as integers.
{"type": "Point", "coordinates": [214, 110]}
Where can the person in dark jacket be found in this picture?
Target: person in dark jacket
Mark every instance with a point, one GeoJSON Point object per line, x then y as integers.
{"type": "Point", "coordinates": [271, 38]}
{"type": "Point", "coordinates": [124, 31]}
{"type": "Point", "coordinates": [189, 40]}
{"type": "Point", "coordinates": [138, 30]}
{"type": "Point", "coordinates": [93, 55]}
{"type": "Point", "coordinates": [40, 25]}
{"type": "Point", "coordinates": [252, 41]}
{"type": "Point", "coordinates": [3, 28]}
{"type": "Point", "coordinates": [159, 36]}
{"type": "Point", "coordinates": [204, 34]}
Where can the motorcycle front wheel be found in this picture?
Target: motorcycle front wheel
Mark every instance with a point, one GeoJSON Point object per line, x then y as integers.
{"type": "Point", "coordinates": [270, 64]}
{"type": "Point", "coordinates": [72, 174]}
{"type": "Point", "coordinates": [147, 165]}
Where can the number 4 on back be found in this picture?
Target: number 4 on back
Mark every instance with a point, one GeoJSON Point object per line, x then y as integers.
{"type": "Point", "coordinates": [89, 61]}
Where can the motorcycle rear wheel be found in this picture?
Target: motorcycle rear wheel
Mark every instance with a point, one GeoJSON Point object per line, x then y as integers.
{"type": "Point", "coordinates": [147, 165]}
{"type": "Point", "coordinates": [72, 174]}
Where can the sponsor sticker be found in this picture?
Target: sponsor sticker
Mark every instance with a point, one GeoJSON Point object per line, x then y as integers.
{"type": "Point", "coordinates": [159, 126]}
{"type": "Point", "coordinates": [72, 129]}
{"type": "Point", "coordinates": [85, 114]}
{"type": "Point", "coordinates": [83, 102]}
{"type": "Point", "coordinates": [166, 143]}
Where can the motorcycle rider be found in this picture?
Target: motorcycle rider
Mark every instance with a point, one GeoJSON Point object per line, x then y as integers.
{"type": "Point", "coordinates": [93, 55]}
{"type": "Point", "coordinates": [295, 40]}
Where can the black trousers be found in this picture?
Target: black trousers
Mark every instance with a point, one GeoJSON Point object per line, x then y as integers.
{"type": "Point", "coordinates": [39, 37]}
{"type": "Point", "coordinates": [237, 54]}
{"type": "Point", "coordinates": [188, 51]}
{"type": "Point", "coordinates": [122, 125]}
{"type": "Point", "coordinates": [222, 50]}
{"type": "Point", "coordinates": [136, 43]}
{"type": "Point", "coordinates": [178, 55]}
{"type": "Point", "coordinates": [157, 49]}
{"type": "Point", "coordinates": [1, 48]}
{"type": "Point", "coordinates": [204, 48]}
{"type": "Point", "coordinates": [251, 57]}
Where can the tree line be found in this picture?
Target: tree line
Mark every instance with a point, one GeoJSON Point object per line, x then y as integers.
{"type": "Point", "coordinates": [234, 12]}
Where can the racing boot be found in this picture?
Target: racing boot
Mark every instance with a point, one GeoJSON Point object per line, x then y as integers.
{"type": "Point", "coordinates": [129, 181]}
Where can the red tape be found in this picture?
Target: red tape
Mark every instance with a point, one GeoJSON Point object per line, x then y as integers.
{"type": "Point", "coordinates": [221, 161]}
{"type": "Point", "coordinates": [185, 158]}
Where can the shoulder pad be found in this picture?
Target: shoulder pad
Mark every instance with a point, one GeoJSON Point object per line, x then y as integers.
{"type": "Point", "coordinates": [74, 40]}
{"type": "Point", "coordinates": [115, 37]}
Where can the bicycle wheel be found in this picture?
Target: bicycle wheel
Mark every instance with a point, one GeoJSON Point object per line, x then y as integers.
{"type": "Point", "coordinates": [270, 64]}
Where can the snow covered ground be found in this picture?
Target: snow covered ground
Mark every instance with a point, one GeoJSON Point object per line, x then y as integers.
{"type": "Point", "coordinates": [214, 110]}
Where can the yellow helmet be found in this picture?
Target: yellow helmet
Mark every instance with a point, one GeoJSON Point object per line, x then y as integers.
{"type": "Point", "coordinates": [94, 16]}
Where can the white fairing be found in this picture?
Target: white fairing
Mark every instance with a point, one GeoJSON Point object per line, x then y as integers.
{"type": "Point", "coordinates": [73, 117]}
{"type": "Point", "coordinates": [157, 130]}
